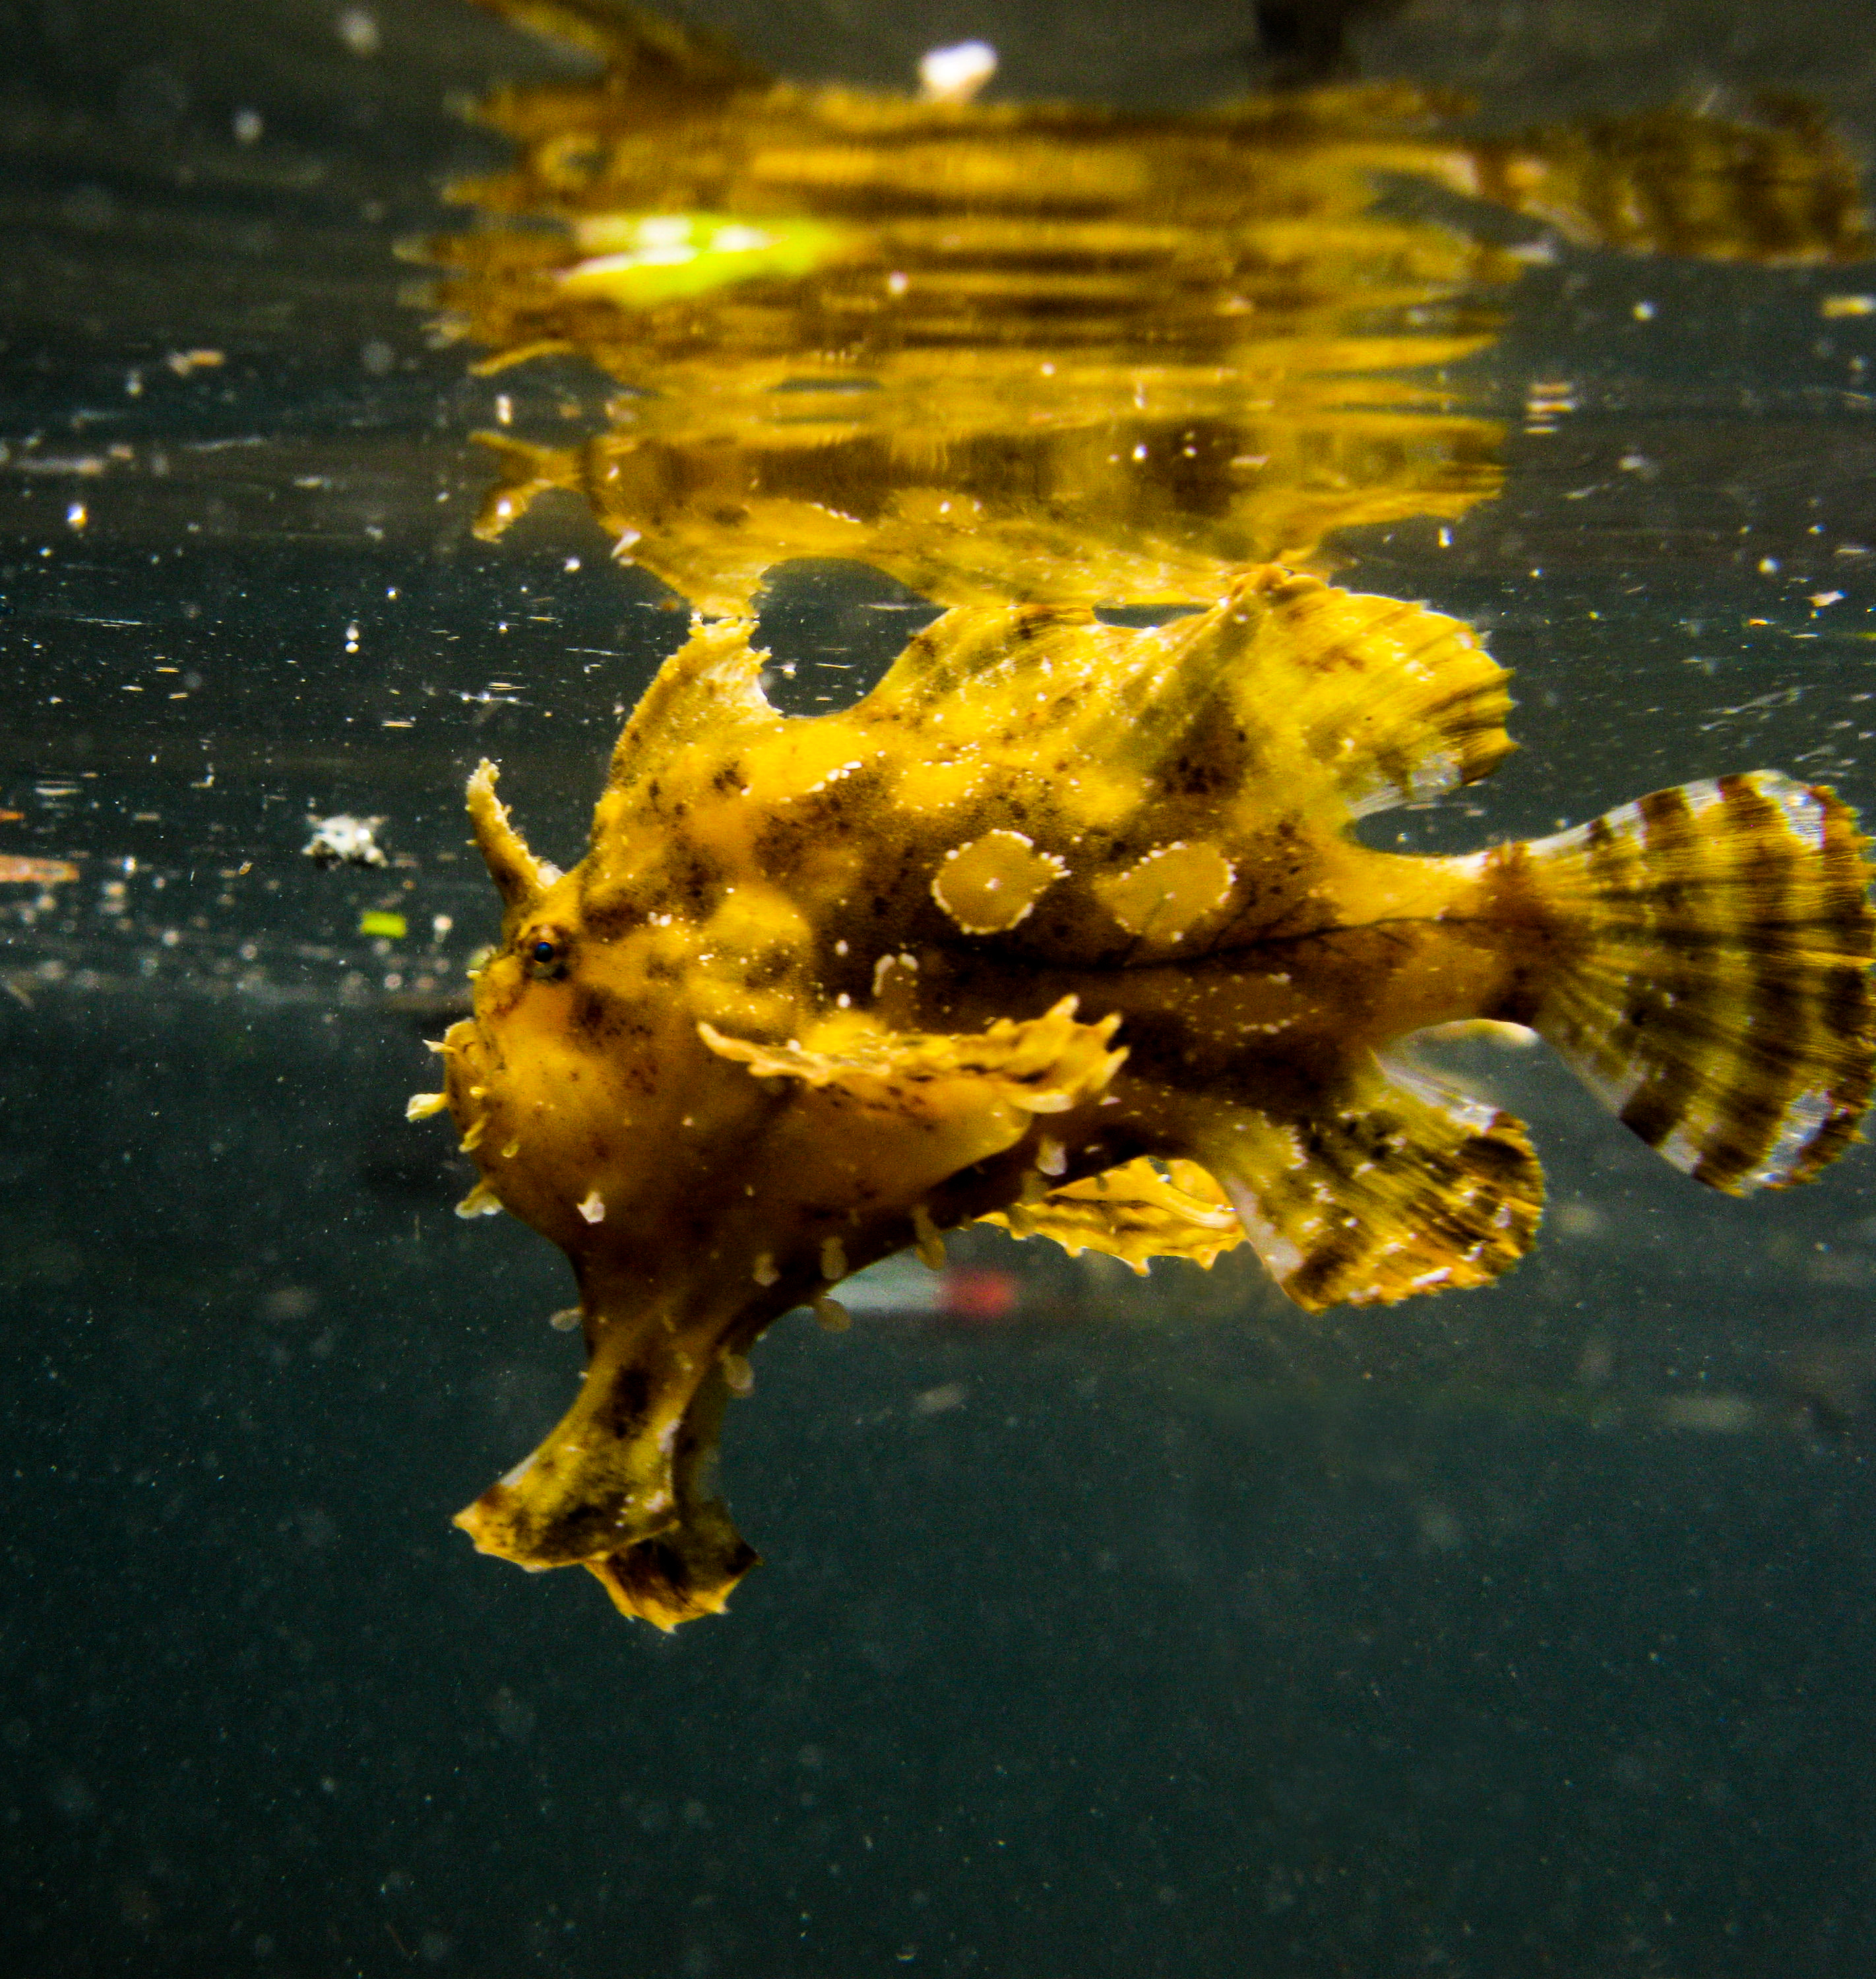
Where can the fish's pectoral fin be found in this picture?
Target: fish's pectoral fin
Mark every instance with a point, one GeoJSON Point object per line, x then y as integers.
{"type": "Point", "coordinates": [621, 1486]}
{"type": "Point", "coordinates": [1134, 1212]}
{"type": "Point", "coordinates": [692, 1567]}
{"type": "Point", "coordinates": [681, 1575]}
{"type": "Point", "coordinates": [1388, 1186]}
{"type": "Point", "coordinates": [1019, 1069]}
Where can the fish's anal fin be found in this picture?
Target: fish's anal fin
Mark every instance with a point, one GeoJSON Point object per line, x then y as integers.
{"type": "Point", "coordinates": [1134, 1212]}
{"type": "Point", "coordinates": [1385, 1188]}
{"type": "Point", "coordinates": [1717, 996]}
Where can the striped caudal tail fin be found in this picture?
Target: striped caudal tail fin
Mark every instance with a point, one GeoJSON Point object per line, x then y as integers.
{"type": "Point", "coordinates": [1720, 1000]}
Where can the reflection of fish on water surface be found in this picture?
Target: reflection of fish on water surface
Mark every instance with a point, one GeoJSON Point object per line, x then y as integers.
{"type": "Point", "coordinates": [1063, 927]}
{"type": "Point", "coordinates": [1038, 351]}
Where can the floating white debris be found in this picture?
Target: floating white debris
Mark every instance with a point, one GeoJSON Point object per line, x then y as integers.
{"type": "Point", "coordinates": [357, 26]}
{"type": "Point", "coordinates": [342, 840]}
{"type": "Point", "coordinates": [1712, 1415]}
{"type": "Point", "coordinates": [954, 74]}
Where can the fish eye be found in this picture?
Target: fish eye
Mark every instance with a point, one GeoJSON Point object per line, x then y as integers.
{"type": "Point", "coordinates": [546, 957]}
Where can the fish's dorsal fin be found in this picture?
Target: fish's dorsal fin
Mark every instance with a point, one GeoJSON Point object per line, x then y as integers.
{"type": "Point", "coordinates": [972, 648]}
{"type": "Point", "coordinates": [1387, 1187]}
{"type": "Point", "coordinates": [642, 50]}
{"type": "Point", "coordinates": [709, 691]}
{"type": "Point", "coordinates": [1398, 702]}
{"type": "Point", "coordinates": [1347, 702]}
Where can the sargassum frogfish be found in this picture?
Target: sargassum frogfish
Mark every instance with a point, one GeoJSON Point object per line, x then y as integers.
{"type": "Point", "coordinates": [1063, 926]}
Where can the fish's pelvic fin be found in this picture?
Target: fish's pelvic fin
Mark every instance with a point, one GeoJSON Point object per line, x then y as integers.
{"type": "Point", "coordinates": [1718, 1001]}
{"type": "Point", "coordinates": [1387, 1187]}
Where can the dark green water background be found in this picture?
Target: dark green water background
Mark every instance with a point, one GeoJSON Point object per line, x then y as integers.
{"type": "Point", "coordinates": [1161, 1631]}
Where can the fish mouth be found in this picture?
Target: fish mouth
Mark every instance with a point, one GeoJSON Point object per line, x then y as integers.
{"type": "Point", "coordinates": [622, 1486]}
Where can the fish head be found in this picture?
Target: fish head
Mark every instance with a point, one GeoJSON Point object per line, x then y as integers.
{"type": "Point", "coordinates": [656, 1076]}
{"type": "Point", "coordinates": [594, 1112]}
{"type": "Point", "coordinates": [583, 1082]}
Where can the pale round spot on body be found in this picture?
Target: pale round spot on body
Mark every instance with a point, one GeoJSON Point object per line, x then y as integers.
{"type": "Point", "coordinates": [1165, 895]}
{"type": "Point", "coordinates": [989, 885]}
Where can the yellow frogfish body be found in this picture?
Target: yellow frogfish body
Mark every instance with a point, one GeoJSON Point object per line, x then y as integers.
{"type": "Point", "coordinates": [1063, 927]}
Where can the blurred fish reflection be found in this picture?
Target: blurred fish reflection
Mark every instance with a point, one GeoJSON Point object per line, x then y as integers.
{"type": "Point", "coordinates": [1038, 351]}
